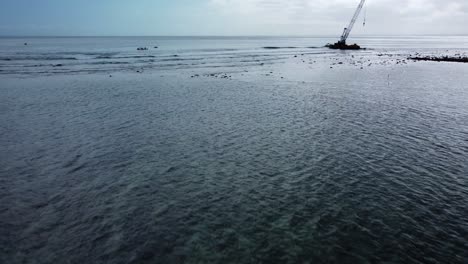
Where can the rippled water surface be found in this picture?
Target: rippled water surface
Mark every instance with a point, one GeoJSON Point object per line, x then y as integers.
{"type": "Point", "coordinates": [232, 150]}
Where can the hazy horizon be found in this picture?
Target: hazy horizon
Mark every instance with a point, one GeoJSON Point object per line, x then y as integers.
{"type": "Point", "coordinates": [229, 36]}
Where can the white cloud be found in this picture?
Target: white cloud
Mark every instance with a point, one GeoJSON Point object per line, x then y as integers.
{"type": "Point", "coordinates": [323, 16]}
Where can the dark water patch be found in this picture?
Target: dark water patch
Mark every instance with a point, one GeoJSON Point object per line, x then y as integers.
{"type": "Point", "coordinates": [280, 48]}
{"type": "Point", "coordinates": [72, 161]}
{"type": "Point", "coordinates": [38, 65]}
{"type": "Point", "coordinates": [105, 57]}
{"type": "Point", "coordinates": [77, 168]}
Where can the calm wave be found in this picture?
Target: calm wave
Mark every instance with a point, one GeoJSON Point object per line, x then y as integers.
{"type": "Point", "coordinates": [45, 56]}
{"type": "Point", "coordinates": [217, 150]}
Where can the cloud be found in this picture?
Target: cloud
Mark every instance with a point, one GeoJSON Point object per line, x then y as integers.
{"type": "Point", "coordinates": [323, 16]}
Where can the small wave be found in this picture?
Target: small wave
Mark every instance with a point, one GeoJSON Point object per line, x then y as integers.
{"type": "Point", "coordinates": [37, 65]}
{"type": "Point", "coordinates": [180, 59]}
{"type": "Point", "coordinates": [125, 57]}
{"type": "Point", "coordinates": [290, 47]}
{"type": "Point", "coordinates": [36, 58]}
{"type": "Point", "coordinates": [215, 50]}
{"type": "Point", "coordinates": [88, 53]}
{"type": "Point", "coordinates": [108, 62]}
{"type": "Point", "coordinates": [280, 47]}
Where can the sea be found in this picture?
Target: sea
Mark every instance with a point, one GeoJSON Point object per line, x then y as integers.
{"type": "Point", "coordinates": [233, 150]}
{"type": "Point", "coordinates": [68, 55]}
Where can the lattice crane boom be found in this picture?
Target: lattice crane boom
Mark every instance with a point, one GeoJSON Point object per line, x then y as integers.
{"type": "Point", "coordinates": [347, 30]}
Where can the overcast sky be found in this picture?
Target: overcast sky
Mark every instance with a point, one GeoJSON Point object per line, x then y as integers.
{"type": "Point", "coordinates": [230, 17]}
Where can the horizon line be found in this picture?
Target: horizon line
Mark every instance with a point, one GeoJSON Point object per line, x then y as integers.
{"type": "Point", "coordinates": [228, 36]}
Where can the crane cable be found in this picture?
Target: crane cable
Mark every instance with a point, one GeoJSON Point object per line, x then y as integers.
{"type": "Point", "coordinates": [365, 16]}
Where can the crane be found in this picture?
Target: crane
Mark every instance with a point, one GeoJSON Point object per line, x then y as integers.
{"type": "Point", "coordinates": [342, 43]}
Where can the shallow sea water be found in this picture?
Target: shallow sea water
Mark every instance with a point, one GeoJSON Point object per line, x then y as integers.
{"type": "Point", "coordinates": [245, 155]}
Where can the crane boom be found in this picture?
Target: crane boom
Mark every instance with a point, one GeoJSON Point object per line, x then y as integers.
{"type": "Point", "coordinates": [347, 30]}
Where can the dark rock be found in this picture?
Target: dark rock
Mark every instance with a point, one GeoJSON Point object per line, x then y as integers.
{"type": "Point", "coordinates": [440, 59]}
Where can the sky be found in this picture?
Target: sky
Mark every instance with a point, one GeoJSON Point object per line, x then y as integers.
{"type": "Point", "coordinates": [229, 17]}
